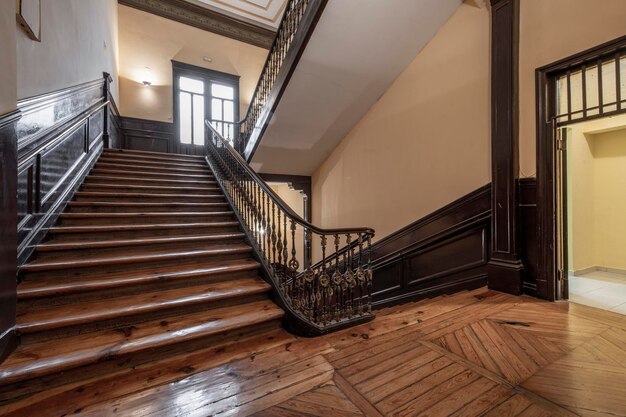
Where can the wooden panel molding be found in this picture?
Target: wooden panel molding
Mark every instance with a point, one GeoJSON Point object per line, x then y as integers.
{"type": "Point", "coordinates": [505, 265]}
{"type": "Point", "coordinates": [443, 252]}
{"type": "Point", "coordinates": [8, 229]}
{"type": "Point", "coordinates": [203, 18]}
{"type": "Point", "coordinates": [59, 138]}
{"type": "Point", "coordinates": [148, 135]}
{"type": "Point", "coordinates": [449, 250]}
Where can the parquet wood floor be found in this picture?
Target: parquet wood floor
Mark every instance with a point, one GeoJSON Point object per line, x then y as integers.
{"type": "Point", "coordinates": [478, 353]}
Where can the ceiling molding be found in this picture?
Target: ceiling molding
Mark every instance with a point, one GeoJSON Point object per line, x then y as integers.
{"type": "Point", "coordinates": [205, 19]}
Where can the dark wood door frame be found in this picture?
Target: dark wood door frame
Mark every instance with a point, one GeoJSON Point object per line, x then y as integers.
{"type": "Point", "coordinates": [545, 83]}
{"type": "Point", "coordinates": [505, 267]}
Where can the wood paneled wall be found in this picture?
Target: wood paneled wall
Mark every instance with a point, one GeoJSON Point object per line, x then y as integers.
{"type": "Point", "coordinates": [449, 250]}
{"type": "Point", "coordinates": [59, 138]}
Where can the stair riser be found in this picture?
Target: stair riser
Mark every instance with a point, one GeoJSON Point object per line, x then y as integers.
{"type": "Point", "coordinates": [150, 163]}
{"type": "Point", "coordinates": [132, 198]}
{"type": "Point", "coordinates": [86, 253]}
{"type": "Point", "coordinates": [95, 179]}
{"type": "Point", "coordinates": [115, 221]}
{"type": "Point", "coordinates": [122, 322]}
{"type": "Point", "coordinates": [155, 168]}
{"type": "Point", "coordinates": [112, 172]}
{"type": "Point", "coordinates": [152, 209]}
{"type": "Point", "coordinates": [136, 266]}
{"type": "Point", "coordinates": [123, 189]}
{"type": "Point", "coordinates": [168, 283]}
{"type": "Point", "coordinates": [126, 153]}
{"type": "Point", "coordinates": [95, 235]}
{"type": "Point", "coordinates": [149, 358]}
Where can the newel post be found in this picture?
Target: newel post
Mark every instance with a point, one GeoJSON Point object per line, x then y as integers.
{"type": "Point", "coordinates": [106, 91]}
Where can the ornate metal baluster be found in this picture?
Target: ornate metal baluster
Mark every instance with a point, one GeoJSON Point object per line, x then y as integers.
{"type": "Point", "coordinates": [279, 249]}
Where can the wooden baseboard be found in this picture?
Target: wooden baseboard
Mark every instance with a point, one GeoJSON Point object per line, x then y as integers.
{"type": "Point", "coordinates": [599, 268]}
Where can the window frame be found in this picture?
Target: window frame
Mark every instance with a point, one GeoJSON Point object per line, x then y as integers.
{"type": "Point", "coordinates": [209, 77]}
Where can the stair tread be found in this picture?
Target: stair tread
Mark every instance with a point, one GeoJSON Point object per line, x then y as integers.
{"type": "Point", "coordinates": [145, 195]}
{"type": "Point", "coordinates": [147, 162]}
{"type": "Point", "coordinates": [151, 174]}
{"type": "Point", "coordinates": [145, 256]}
{"type": "Point", "coordinates": [150, 153]}
{"type": "Point", "coordinates": [54, 317]}
{"type": "Point", "coordinates": [139, 204]}
{"type": "Point", "coordinates": [36, 360]}
{"type": "Point", "coordinates": [42, 287]}
{"type": "Point", "coordinates": [145, 214]}
{"type": "Point", "coordinates": [147, 168]}
{"type": "Point", "coordinates": [155, 180]}
{"type": "Point", "coordinates": [147, 187]}
{"type": "Point", "coordinates": [137, 227]}
{"type": "Point", "coordinates": [113, 243]}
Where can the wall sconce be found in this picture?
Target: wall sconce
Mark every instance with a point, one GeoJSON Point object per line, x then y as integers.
{"type": "Point", "coordinates": [147, 77]}
{"type": "Point", "coordinates": [147, 83]}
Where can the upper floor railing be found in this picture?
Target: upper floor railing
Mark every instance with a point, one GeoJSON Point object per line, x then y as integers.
{"type": "Point", "coordinates": [334, 292]}
{"type": "Point", "coordinates": [293, 33]}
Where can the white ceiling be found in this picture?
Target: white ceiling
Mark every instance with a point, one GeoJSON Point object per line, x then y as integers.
{"type": "Point", "coordinates": [357, 50]}
{"type": "Point", "coordinates": [264, 13]}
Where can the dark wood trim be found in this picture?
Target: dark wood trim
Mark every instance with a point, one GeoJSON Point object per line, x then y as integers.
{"type": "Point", "coordinates": [301, 183]}
{"type": "Point", "coordinates": [298, 45]}
{"type": "Point", "coordinates": [545, 94]}
{"type": "Point", "coordinates": [8, 230]}
{"type": "Point", "coordinates": [444, 252]}
{"type": "Point", "coordinates": [505, 266]}
{"type": "Point", "coordinates": [203, 18]}
{"type": "Point", "coordinates": [529, 233]}
{"type": "Point", "coordinates": [59, 138]}
{"type": "Point", "coordinates": [206, 72]}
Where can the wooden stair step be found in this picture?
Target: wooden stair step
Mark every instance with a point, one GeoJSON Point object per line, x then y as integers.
{"type": "Point", "coordinates": [150, 168]}
{"type": "Point", "coordinates": [53, 356]}
{"type": "Point", "coordinates": [113, 159]}
{"type": "Point", "coordinates": [155, 155]}
{"type": "Point", "coordinates": [158, 175]}
{"type": "Point", "coordinates": [92, 232]}
{"type": "Point", "coordinates": [124, 207]}
{"type": "Point", "coordinates": [148, 181]}
{"type": "Point", "coordinates": [107, 196]}
{"type": "Point", "coordinates": [66, 285]}
{"type": "Point", "coordinates": [121, 243]}
{"type": "Point", "coordinates": [159, 189]}
{"type": "Point", "coordinates": [83, 219]}
{"type": "Point", "coordinates": [56, 317]}
{"type": "Point", "coordinates": [146, 256]}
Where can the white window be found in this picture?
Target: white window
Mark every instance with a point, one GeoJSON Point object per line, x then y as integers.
{"type": "Point", "coordinates": [191, 110]}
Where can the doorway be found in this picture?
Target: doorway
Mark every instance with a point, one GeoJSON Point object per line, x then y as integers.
{"type": "Point", "coordinates": [589, 87]}
{"type": "Point", "coordinates": [200, 95]}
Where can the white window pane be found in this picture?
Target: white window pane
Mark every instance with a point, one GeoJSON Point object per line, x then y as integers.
{"type": "Point", "coordinates": [230, 132]}
{"type": "Point", "coordinates": [222, 91]}
{"type": "Point", "coordinates": [191, 85]}
{"type": "Point", "coordinates": [198, 120]}
{"type": "Point", "coordinates": [216, 109]}
{"type": "Point", "coordinates": [609, 88]}
{"type": "Point", "coordinates": [185, 117]}
{"type": "Point", "coordinates": [229, 111]}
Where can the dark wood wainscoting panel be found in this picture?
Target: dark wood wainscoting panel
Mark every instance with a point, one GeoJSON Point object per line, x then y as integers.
{"type": "Point", "coordinates": [449, 250]}
{"type": "Point", "coordinates": [529, 232]}
{"type": "Point", "coordinates": [153, 136]}
{"type": "Point", "coordinates": [445, 251]}
{"type": "Point", "coordinates": [116, 137]}
{"type": "Point", "coordinates": [58, 139]}
{"type": "Point", "coordinates": [8, 228]}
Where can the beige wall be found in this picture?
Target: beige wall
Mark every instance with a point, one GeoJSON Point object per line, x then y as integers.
{"type": "Point", "coordinates": [8, 74]}
{"type": "Point", "coordinates": [551, 30]}
{"type": "Point", "coordinates": [151, 41]}
{"type": "Point", "coordinates": [79, 43]}
{"type": "Point", "coordinates": [596, 204]}
{"type": "Point", "coordinates": [425, 143]}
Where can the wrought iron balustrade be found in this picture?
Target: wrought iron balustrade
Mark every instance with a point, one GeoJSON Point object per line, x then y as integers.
{"type": "Point", "coordinates": [298, 19]}
{"type": "Point", "coordinates": [334, 292]}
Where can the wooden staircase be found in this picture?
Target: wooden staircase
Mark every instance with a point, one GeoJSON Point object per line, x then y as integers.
{"type": "Point", "coordinates": [147, 261]}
